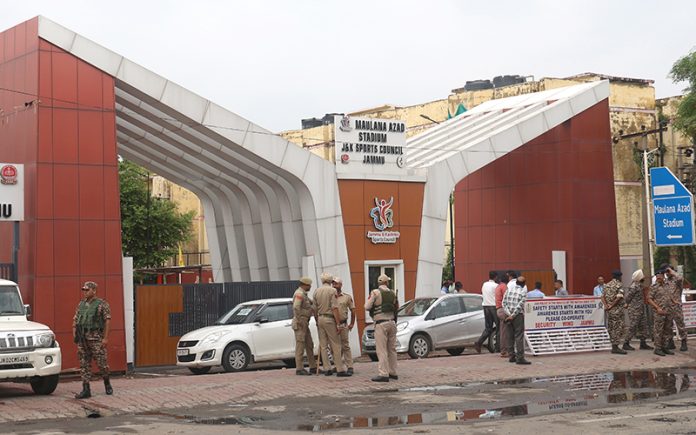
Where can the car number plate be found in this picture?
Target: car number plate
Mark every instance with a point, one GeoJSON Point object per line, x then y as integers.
{"type": "Point", "coordinates": [182, 352]}
{"type": "Point", "coordinates": [14, 359]}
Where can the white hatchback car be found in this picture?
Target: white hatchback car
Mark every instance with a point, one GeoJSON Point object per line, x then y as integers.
{"type": "Point", "coordinates": [448, 322]}
{"type": "Point", "coordinates": [252, 331]}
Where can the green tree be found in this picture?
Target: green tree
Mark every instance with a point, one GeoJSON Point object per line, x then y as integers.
{"type": "Point", "coordinates": [447, 267]}
{"type": "Point", "coordinates": [151, 229]}
{"type": "Point", "coordinates": [684, 70]}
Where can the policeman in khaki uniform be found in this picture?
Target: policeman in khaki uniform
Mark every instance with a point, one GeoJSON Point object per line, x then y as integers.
{"type": "Point", "coordinates": [91, 333]}
{"type": "Point", "coordinates": [383, 305]}
{"type": "Point", "coordinates": [345, 305]}
{"type": "Point", "coordinates": [303, 309]}
{"type": "Point", "coordinates": [660, 299]}
{"type": "Point", "coordinates": [329, 321]}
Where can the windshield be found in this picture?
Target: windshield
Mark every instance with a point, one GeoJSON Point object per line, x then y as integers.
{"type": "Point", "coordinates": [416, 307]}
{"type": "Point", "coordinates": [238, 314]}
{"type": "Point", "coordinates": [10, 304]}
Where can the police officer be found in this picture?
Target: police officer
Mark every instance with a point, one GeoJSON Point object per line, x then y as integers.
{"type": "Point", "coordinates": [661, 300]}
{"type": "Point", "coordinates": [383, 305]}
{"type": "Point", "coordinates": [615, 306]}
{"type": "Point", "coordinates": [91, 333]}
{"type": "Point", "coordinates": [675, 283]}
{"type": "Point", "coordinates": [303, 309]}
{"type": "Point", "coordinates": [345, 306]}
{"type": "Point", "coordinates": [329, 321]}
{"type": "Point", "coordinates": [637, 322]}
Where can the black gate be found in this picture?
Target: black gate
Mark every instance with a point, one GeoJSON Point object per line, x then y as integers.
{"type": "Point", "coordinates": [203, 304]}
{"type": "Point", "coordinates": [7, 271]}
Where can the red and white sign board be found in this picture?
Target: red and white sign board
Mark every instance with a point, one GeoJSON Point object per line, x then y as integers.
{"type": "Point", "coordinates": [562, 313]}
{"type": "Point", "coordinates": [689, 310]}
{"type": "Point", "coordinates": [11, 192]}
{"type": "Point", "coordinates": [563, 325]}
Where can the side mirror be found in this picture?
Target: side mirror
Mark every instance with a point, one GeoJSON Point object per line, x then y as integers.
{"type": "Point", "coordinates": [27, 310]}
{"type": "Point", "coordinates": [261, 320]}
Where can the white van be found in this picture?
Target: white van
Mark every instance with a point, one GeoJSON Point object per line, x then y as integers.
{"type": "Point", "coordinates": [29, 351]}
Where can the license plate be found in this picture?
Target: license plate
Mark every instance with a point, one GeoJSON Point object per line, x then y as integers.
{"type": "Point", "coordinates": [182, 352]}
{"type": "Point", "coordinates": [14, 359]}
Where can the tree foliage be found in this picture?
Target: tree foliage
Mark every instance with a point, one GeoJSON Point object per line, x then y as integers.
{"type": "Point", "coordinates": [684, 70]}
{"type": "Point", "coordinates": [151, 228]}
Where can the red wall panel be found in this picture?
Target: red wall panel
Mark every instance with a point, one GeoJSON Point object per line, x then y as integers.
{"type": "Point", "coordinates": [67, 142]}
{"type": "Point", "coordinates": [562, 198]}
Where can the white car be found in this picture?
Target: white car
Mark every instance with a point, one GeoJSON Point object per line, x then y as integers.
{"type": "Point", "coordinates": [448, 322]}
{"type": "Point", "coordinates": [28, 350]}
{"type": "Point", "coordinates": [251, 332]}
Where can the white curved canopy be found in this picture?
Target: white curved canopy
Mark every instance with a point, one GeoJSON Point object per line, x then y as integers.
{"type": "Point", "coordinates": [272, 210]}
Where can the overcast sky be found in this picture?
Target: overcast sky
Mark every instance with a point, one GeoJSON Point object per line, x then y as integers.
{"type": "Point", "coordinates": [276, 62]}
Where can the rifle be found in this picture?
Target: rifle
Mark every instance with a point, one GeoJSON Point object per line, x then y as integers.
{"type": "Point", "coordinates": [79, 337]}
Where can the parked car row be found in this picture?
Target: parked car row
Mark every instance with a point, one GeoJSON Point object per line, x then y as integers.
{"type": "Point", "coordinates": [261, 330]}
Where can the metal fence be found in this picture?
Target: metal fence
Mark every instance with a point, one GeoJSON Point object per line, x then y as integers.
{"type": "Point", "coordinates": [7, 271]}
{"type": "Point", "coordinates": [203, 304]}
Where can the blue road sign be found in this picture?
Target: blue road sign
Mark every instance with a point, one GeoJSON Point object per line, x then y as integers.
{"type": "Point", "coordinates": [673, 209]}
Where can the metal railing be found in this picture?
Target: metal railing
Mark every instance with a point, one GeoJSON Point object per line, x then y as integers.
{"type": "Point", "coordinates": [7, 271]}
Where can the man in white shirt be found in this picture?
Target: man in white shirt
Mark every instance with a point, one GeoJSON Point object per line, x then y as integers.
{"type": "Point", "coordinates": [489, 312]}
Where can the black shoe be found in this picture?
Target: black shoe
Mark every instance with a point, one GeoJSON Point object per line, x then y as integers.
{"type": "Point", "coordinates": [329, 372]}
{"type": "Point", "coordinates": [683, 347]}
{"type": "Point", "coordinates": [670, 344]}
{"type": "Point", "coordinates": [313, 371]}
{"type": "Point", "coordinates": [627, 346]}
{"type": "Point", "coordinates": [380, 379]}
{"type": "Point", "coordinates": [107, 387]}
{"type": "Point", "coordinates": [667, 351]}
{"type": "Point", "coordinates": [301, 373]}
{"type": "Point", "coordinates": [523, 361]}
{"type": "Point", "coordinates": [477, 347]}
{"type": "Point", "coordinates": [616, 349]}
{"type": "Point", "coordinates": [395, 377]}
{"type": "Point", "coordinates": [350, 370]}
{"type": "Point", "coordinates": [513, 359]}
{"type": "Point", "coordinates": [644, 345]}
{"type": "Point", "coordinates": [85, 393]}
{"type": "Point", "coordinates": [659, 352]}
{"type": "Point", "coordinates": [343, 374]}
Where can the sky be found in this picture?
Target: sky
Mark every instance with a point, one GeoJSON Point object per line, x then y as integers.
{"type": "Point", "coordinates": [277, 62]}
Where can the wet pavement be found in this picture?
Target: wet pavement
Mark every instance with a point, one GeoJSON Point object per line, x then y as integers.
{"type": "Point", "coordinates": [453, 403]}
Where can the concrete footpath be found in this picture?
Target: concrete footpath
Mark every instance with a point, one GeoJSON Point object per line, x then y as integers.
{"type": "Point", "coordinates": [137, 395]}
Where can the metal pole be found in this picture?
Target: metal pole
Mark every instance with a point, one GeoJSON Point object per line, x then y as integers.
{"type": "Point", "coordinates": [451, 216]}
{"type": "Point", "coordinates": [647, 207]}
{"type": "Point", "coordinates": [15, 253]}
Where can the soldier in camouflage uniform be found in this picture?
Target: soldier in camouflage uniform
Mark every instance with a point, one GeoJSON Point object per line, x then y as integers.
{"type": "Point", "coordinates": [615, 306]}
{"type": "Point", "coordinates": [91, 333]}
{"type": "Point", "coordinates": [675, 284]}
{"type": "Point", "coordinates": [303, 310]}
{"type": "Point", "coordinates": [637, 324]}
{"type": "Point", "coordinates": [660, 299]}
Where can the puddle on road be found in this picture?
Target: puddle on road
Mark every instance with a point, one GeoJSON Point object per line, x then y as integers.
{"type": "Point", "coordinates": [540, 395]}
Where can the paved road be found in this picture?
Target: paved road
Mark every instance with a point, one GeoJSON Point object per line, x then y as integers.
{"type": "Point", "coordinates": [171, 392]}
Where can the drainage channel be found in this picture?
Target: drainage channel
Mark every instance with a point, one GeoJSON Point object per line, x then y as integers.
{"type": "Point", "coordinates": [453, 403]}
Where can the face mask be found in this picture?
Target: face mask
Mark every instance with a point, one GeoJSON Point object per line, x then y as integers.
{"type": "Point", "coordinates": [520, 283]}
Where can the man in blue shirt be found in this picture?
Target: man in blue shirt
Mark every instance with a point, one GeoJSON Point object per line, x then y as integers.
{"type": "Point", "coordinates": [560, 291]}
{"type": "Point", "coordinates": [599, 289]}
{"type": "Point", "coordinates": [536, 293]}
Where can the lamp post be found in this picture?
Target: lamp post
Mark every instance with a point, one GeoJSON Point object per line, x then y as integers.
{"type": "Point", "coordinates": [646, 182]}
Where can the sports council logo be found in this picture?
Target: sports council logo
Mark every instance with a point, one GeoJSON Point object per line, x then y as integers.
{"type": "Point", "coordinates": [8, 174]}
{"type": "Point", "coordinates": [345, 124]}
{"type": "Point", "coordinates": [382, 214]}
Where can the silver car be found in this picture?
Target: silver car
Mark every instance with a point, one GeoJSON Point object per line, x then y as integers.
{"type": "Point", "coordinates": [449, 322]}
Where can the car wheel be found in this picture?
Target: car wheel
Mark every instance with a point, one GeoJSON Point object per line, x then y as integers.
{"type": "Point", "coordinates": [199, 370]}
{"type": "Point", "coordinates": [455, 351]}
{"type": "Point", "coordinates": [419, 346]}
{"type": "Point", "coordinates": [235, 358]}
{"type": "Point", "coordinates": [290, 363]}
{"type": "Point", "coordinates": [45, 384]}
{"type": "Point", "coordinates": [373, 356]}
